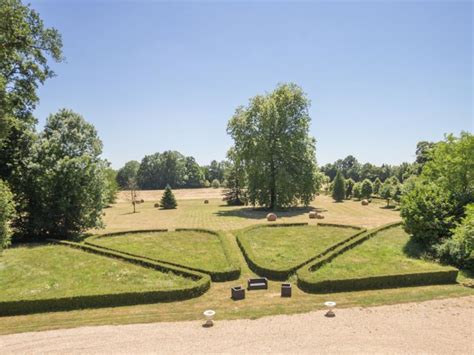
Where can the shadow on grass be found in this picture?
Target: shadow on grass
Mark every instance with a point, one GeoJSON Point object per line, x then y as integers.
{"type": "Point", "coordinates": [261, 213]}
{"type": "Point", "coordinates": [414, 249]}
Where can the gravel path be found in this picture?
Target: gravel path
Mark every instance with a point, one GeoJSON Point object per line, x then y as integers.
{"type": "Point", "coordinates": [440, 326]}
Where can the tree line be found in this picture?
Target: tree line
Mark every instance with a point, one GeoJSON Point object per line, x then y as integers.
{"type": "Point", "coordinates": [172, 168]}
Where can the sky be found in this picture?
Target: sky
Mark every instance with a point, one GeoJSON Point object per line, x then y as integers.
{"type": "Point", "coordinates": [156, 76]}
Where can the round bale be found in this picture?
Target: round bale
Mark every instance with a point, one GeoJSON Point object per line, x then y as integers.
{"type": "Point", "coordinates": [206, 202]}
{"type": "Point", "coordinates": [313, 214]}
{"type": "Point", "coordinates": [156, 205]}
{"type": "Point", "coordinates": [364, 202]}
{"type": "Point", "coordinates": [271, 217]}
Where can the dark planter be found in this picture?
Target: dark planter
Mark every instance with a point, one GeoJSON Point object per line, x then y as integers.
{"type": "Point", "coordinates": [285, 290]}
{"type": "Point", "coordinates": [237, 293]}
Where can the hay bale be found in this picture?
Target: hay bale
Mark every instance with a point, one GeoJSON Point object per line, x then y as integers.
{"type": "Point", "coordinates": [271, 217]}
{"type": "Point", "coordinates": [364, 202]}
{"type": "Point", "coordinates": [313, 214]}
{"type": "Point", "coordinates": [206, 202]}
{"type": "Point", "coordinates": [319, 216]}
{"type": "Point", "coordinates": [156, 205]}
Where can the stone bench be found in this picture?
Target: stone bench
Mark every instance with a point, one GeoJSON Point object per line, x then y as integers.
{"type": "Point", "coordinates": [257, 284]}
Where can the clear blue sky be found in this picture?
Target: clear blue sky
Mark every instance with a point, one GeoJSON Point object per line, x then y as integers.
{"type": "Point", "coordinates": [153, 76]}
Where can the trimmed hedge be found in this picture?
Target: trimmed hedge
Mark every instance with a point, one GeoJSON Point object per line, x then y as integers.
{"type": "Point", "coordinates": [203, 283]}
{"type": "Point", "coordinates": [233, 273]}
{"type": "Point", "coordinates": [306, 284]}
{"type": "Point", "coordinates": [284, 274]}
{"type": "Point", "coordinates": [135, 231]}
{"type": "Point", "coordinates": [381, 282]}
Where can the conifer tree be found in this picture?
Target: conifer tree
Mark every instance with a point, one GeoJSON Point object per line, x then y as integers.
{"type": "Point", "coordinates": [339, 188]}
{"type": "Point", "coordinates": [168, 201]}
{"type": "Point", "coordinates": [376, 186]}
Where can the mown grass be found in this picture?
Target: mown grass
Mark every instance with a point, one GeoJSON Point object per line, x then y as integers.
{"type": "Point", "coordinates": [187, 248]}
{"type": "Point", "coordinates": [52, 271]}
{"type": "Point", "coordinates": [388, 252]}
{"type": "Point", "coordinates": [193, 213]}
{"type": "Point", "coordinates": [257, 304]}
{"type": "Point", "coordinates": [285, 247]}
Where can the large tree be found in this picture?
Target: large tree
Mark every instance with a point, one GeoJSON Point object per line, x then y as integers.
{"type": "Point", "coordinates": [278, 156]}
{"type": "Point", "coordinates": [68, 186]}
{"type": "Point", "coordinates": [26, 45]}
{"type": "Point", "coordinates": [127, 172]}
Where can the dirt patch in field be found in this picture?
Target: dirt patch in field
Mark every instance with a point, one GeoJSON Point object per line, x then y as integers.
{"type": "Point", "coordinates": [180, 194]}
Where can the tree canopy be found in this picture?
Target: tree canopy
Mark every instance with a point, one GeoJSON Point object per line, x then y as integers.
{"type": "Point", "coordinates": [278, 156]}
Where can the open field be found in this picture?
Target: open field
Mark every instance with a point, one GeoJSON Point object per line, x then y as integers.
{"type": "Point", "coordinates": [52, 271]}
{"type": "Point", "coordinates": [180, 194]}
{"type": "Point", "coordinates": [286, 247]}
{"type": "Point", "coordinates": [187, 248]}
{"type": "Point", "coordinates": [193, 213]}
{"type": "Point", "coordinates": [388, 252]}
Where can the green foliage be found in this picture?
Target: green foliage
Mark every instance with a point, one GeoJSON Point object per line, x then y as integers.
{"type": "Point", "coordinates": [349, 186]}
{"type": "Point", "coordinates": [169, 168]}
{"type": "Point", "coordinates": [215, 184]}
{"type": "Point", "coordinates": [194, 176]}
{"type": "Point", "coordinates": [458, 250]}
{"type": "Point", "coordinates": [7, 211]}
{"type": "Point", "coordinates": [339, 187]}
{"type": "Point", "coordinates": [26, 46]}
{"type": "Point", "coordinates": [235, 177]}
{"type": "Point", "coordinates": [366, 188]}
{"type": "Point", "coordinates": [168, 201]}
{"type": "Point", "coordinates": [111, 186]}
{"type": "Point", "coordinates": [67, 182]}
{"type": "Point", "coordinates": [377, 186]}
{"type": "Point", "coordinates": [386, 192]}
{"type": "Point", "coordinates": [207, 183]}
{"type": "Point", "coordinates": [278, 156]}
{"type": "Point", "coordinates": [126, 173]}
{"type": "Point", "coordinates": [357, 190]}
{"type": "Point", "coordinates": [435, 202]}
{"type": "Point", "coordinates": [216, 170]}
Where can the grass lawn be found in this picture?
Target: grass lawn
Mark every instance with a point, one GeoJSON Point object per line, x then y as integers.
{"type": "Point", "coordinates": [281, 248]}
{"type": "Point", "coordinates": [193, 213]}
{"type": "Point", "coordinates": [188, 248]}
{"type": "Point", "coordinates": [53, 271]}
{"type": "Point", "coordinates": [388, 252]}
{"type": "Point", "coordinates": [256, 304]}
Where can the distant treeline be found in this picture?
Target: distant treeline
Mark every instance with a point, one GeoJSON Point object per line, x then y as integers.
{"type": "Point", "coordinates": [350, 168]}
{"type": "Point", "coordinates": [172, 168]}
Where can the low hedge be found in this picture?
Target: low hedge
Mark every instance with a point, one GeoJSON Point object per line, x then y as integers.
{"type": "Point", "coordinates": [203, 284]}
{"type": "Point", "coordinates": [284, 274]}
{"type": "Point", "coordinates": [138, 231]}
{"type": "Point", "coordinates": [233, 273]}
{"type": "Point", "coordinates": [306, 284]}
{"type": "Point", "coordinates": [380, 282]}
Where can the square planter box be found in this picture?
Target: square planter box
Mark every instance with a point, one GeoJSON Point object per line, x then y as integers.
{"type": "Point", "coordinates": [285, 290]}
{"type": "Point", "coordinates": [237, 293]}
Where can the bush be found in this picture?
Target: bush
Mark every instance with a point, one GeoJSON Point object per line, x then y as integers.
{"type": "Point", "coordinates": [459, 249]}
{"type": "Point", "coordinates": [207, 183]}
{"type": "Point", "coordinates": [168, 201]}
{"type": "Point", "coordinates": [7, 210]}
{"type": "Point", "coordinates": [215, 184]}
{"type": "Point", "coordinates": [427, 213]}
{"type": "Point", "coordinates": [357, 190]}
{"type": "Point", "coordinates": [349, 186]}
{"type": "Point", "coordinates": [338, 188]}
{"type": "Point", "coordinates": [366, 189]}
